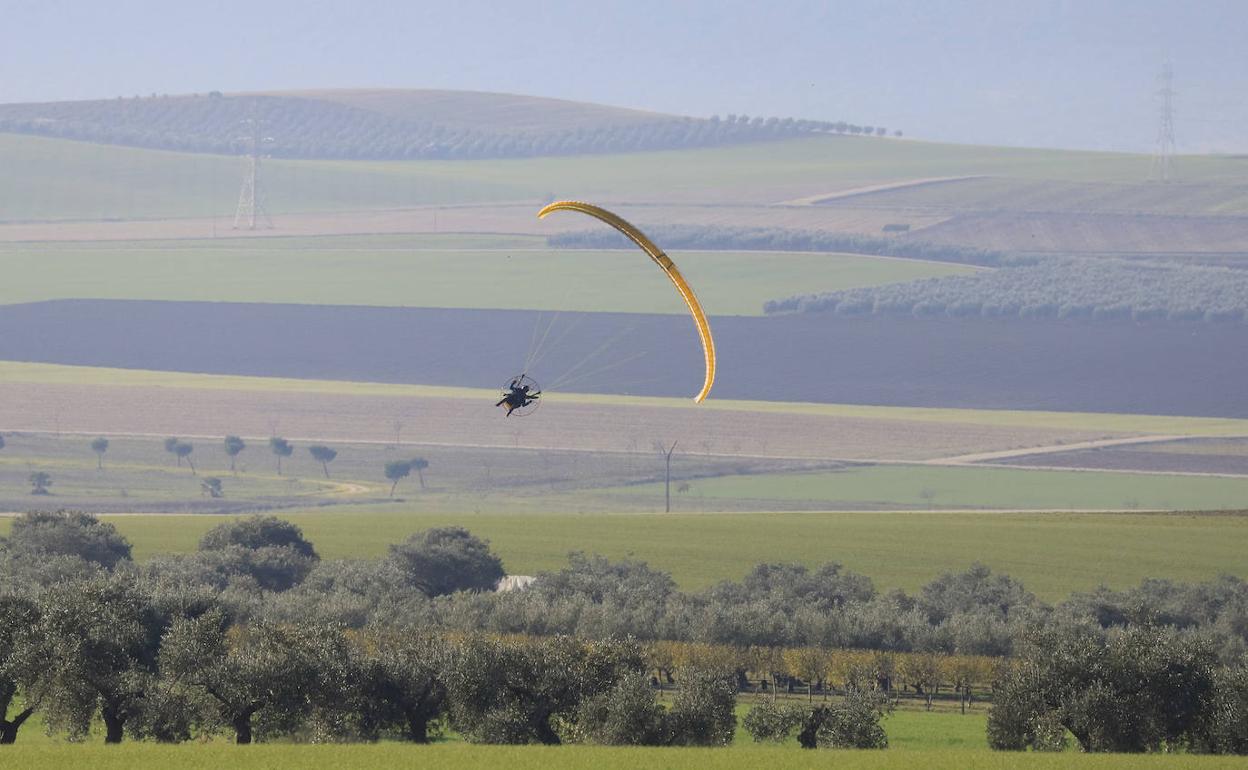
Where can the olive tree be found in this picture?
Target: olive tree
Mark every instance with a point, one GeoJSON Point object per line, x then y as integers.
{"type": "Point", "coordinates": [183, 450]}
{"type": "Point", "coordinates": [70, 533]}
{"type": "Point", "coordinates": [265, 670]}
{"type": "Point", "coordinates": [401, 678]}
{"type": "Point", "coordinates": [39, 483]}
{"type": "Point", "coordinates": [703, 712]}
{"type": "Point", "coordinates": [280, 448]}
{"type": "Point", "coordinates": [504, 691]}
{"type": "Point", "coordinates": [323, 455]}
{"type": "Point", "coordinates": [99, 446]}
{"type": "Point", "coordinates": [18, 617]}
{"type": "Point", "coordinates": [419, 464]}
{"type": "Point", "coordinates": [271, 551]}
{"type": "Point", "coordinates": [1142, 688]}
{"type": "Point", "coordinates": [396, 471]}
{"type": "Point", "coordinates": [443, 560]}
{"type": "Point", "coordinates": [234, 447]}
{"type": "Point", "coordinates": [99, 643]}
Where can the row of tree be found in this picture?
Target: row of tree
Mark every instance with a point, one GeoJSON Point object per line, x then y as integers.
{"type": "Point", "coordinates": [1089, 288]}
{"type": "Point", "coordinates": [151, 663]}
{"type": "Point", "coordinates": [313, 128]}
{"type": "Point", "coordinates": [234, 446]}
{"type": "Point", "coordinates": [271, 571]}
{"type": "Point", "coordinates": [706, 237]}
{"type": "Point", "coordinates": [394, 470]}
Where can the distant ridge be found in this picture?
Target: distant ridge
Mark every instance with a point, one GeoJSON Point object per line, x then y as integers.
{"type": "Point", "coordinates": [393, 124]}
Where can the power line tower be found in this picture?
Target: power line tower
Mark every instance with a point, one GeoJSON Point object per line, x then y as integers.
{"type": "Point", "coordinates": [1163, 157]}
{"type": "Point", "coordinates": [251, 213]}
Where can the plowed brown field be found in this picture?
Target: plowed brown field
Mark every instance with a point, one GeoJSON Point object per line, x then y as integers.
{"type": "Point", "coordinates": [188, 412]}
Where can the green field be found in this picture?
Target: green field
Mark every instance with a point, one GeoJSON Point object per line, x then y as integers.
{"type": "Point", "coordinates": [969, 487]}
{"type": "Point", "coordinates": [1052, 553]}
{"type": "Point", "coordinates": [435, 271]}
{"type": "Point", "coordinates": [50, 179]}
{"type": "Point", "coordinates": [457, 756]}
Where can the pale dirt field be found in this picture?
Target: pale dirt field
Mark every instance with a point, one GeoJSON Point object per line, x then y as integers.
{"type": "Point", "coordinates": [469, 422]}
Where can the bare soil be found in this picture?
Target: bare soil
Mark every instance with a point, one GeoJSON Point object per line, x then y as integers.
{"type": "Point", "coordinates": [1182, 456]}
{"type": "Point", "coordinates": [626, 429]}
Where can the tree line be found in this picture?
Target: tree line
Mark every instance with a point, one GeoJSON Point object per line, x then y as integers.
{"type": "Point", "coordinates": [1058, 287]}
{"type": "Point", "coordinates": [714, 238]}
{"type": "Point", "coordinates": [233, 446]}
{"type": "Point", "coordinates": [312, 128]}
{"type": "Point", "coordinates": [263, 567]}
{"type": "Point", "coordinates": [254, 635]}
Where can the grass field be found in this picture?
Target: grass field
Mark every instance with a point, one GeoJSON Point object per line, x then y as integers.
{"type": "Point", "coordinates": [1053, 554]}
{"type": "Point", "coordinates": [278, 757]}
{"type": "Point", "coordinates": [438, 271]}
{"type": "Point", "coordinates": [963, 487]}
{"type": "Point", "coordinates": [49, 179]}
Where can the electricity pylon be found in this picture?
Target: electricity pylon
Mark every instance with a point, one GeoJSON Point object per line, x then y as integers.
{"type": "Point", "coordinates": [251, 212]}
{"type": "Point", "coordinates": [1163, 157]}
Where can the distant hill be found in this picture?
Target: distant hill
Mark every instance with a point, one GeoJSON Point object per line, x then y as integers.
{"type": "Point", "coordinates": [386, 124]}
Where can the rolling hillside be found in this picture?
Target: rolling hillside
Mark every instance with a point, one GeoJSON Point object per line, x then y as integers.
{"type": "Point", "coordinates": [391, 124]}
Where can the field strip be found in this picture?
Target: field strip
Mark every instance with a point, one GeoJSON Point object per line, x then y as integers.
{"type": "Point", "coordinates": [815, 200]}
{"type": "Point", "coordinates": [988, 457]}
{"type": "Point", "coordinates": [833, 462]}
{"type": "Point", "coordinates": [12, 372]}
{"type": "Point", "coordinates": [1128, 471]}
{"type": "Point", "coordinates": [341, 488]}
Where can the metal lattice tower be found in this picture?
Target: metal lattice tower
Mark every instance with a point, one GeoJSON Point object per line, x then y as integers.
{"type": "Point", "coordinates": [1163, 157]}
{"type": "Point", "coordinates": [251, 213]}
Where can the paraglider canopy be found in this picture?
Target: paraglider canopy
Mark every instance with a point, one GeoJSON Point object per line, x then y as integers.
{"type": "Point", "coordinates": [663, 261]}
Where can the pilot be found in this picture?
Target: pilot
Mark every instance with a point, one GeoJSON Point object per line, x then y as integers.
{"type": "Point", "coordinates": [517, 396]}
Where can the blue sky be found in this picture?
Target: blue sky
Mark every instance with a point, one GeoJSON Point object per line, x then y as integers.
{"type": "Point", "coordinates": [1057, 73]}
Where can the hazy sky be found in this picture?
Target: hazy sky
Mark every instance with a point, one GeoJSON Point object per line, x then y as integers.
{"type": "Point", "coordinates": [1078, 73]}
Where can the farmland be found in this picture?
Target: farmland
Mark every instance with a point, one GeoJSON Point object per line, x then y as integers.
{"type": "Point", "coordinates": [426, 271]}
{"type": "Point", "coordinates": [278, 757]}
{"type": "Point", "coordinates": [1053, 554]}
{"type": "Point", "coordinates": [52, 179]}
{"type": "Point", "coordinates": [1192, 456]}
{"type": "Point", "coordinates": [1052, 365]}
{"type": "Point", "coordinates": [904, 486]}
{"type": "Point", "coordinates": [392, 297]}
{"type": "Point", "coordinates": [139, 474]}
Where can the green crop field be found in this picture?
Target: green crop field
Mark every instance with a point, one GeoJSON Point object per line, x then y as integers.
{"type": "Point", "coordinates": [969, 487]}
{"type": "Point", "coordinates": [1052, 553]}
{"type": "Point", "coordinates": [51, 179]}
{"type": "Point", "coordinates": [459, 756]}
{"type": "Point", "coordinates": [438, 271]}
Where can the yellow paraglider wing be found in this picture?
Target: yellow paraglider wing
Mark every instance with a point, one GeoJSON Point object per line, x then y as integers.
{"type": "Point", "coordinates": [663, 261]}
